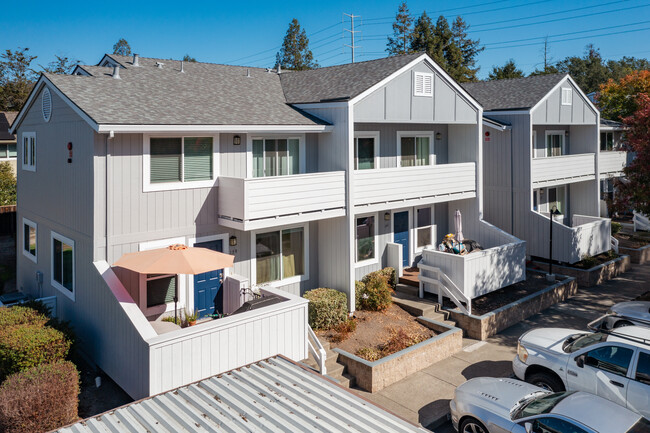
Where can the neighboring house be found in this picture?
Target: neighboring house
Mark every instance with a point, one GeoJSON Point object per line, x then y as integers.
{"type": "Point", "coordinates": [310, 179]}
{"type": "Point", "coordinates": [611, 160]}
{"type": "Point", "coordinates": [542, 153]}
{"type": "Point", "coordinates": [7, 139]}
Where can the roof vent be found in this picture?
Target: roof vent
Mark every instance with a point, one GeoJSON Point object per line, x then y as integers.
{"type": "Point", "coordinates": [182, 66]}
{"type": "Point", "coordinates": [159, 64]}
{"type": "Point", "coordinates": [46, 105]}
{"type": "Point", "coordinates": [279, 68]}
{"type": "Point", "coordinates": [136, 60]}
{"type": "Point", "coordinates": [268, 70]}
{"type": "Point", "coordinates": [248, 72]}
{"type": "Point", "coordinates": [116, 72]}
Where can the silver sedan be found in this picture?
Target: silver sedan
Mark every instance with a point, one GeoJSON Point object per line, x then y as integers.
{"type": "Point", "coordinates": [498, 405]}
{"type": "Point", "coordinates": [627, 314]}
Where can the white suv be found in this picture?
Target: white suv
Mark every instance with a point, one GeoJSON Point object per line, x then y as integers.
{"type": "Point", "coordinates": [611, 364]}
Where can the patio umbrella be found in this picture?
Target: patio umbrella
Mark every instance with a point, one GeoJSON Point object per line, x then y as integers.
{"type": "Point", "coordinates": [175, 259]}
{"type": "Point", "coordinates": [458, 224]}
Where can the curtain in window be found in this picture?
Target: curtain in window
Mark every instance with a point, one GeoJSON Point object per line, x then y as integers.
{"type": "Point", "coordinates": [267, 255]}
{"type": "Point", "coordinates": [424, 227]}
{"type": "Point", "coordinates": [294, 156]}
{"type": "Point", "coordinates": [258, 158]}
{"type": "Point", "coordinates": [422, 149]}
{"type": "Point", "coordinates": [293, 254]}
{"type": "Point", "coordinates": [198, 159]}
{"type": "Point", "coordinates": [160, 291]}
{"type": "Point", "coordinates": [365, 238]}
{"type": "Point", "coordinates": [63, 263]}
{"type": "Point", "coordinates": [554, 145]}
{"type": "Point", "coordinates": [408, 151]}
{"type": "Point", "coordinates": [365, 153]}
{"type": "Point", "coordinates": [165, 159]}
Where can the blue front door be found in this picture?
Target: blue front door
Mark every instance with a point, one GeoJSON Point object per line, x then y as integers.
{"type": "Point", "coordinates": [208, 296]}
{"type": "Point", "coordinates": [401, 234]}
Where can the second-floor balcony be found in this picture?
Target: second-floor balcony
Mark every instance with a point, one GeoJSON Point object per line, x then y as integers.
{"type": "Point", "coordinates": [256, 203]}
{"type": "Point", "coordinates": [611, 163]}
{"type": "Point", "coordinates": [411, 186]}
{"type": "Point", "coordinates": [558, 170]}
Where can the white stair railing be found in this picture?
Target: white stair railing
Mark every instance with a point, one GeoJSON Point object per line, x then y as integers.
{"type": "Point", "coordinates": [641, 222]}
{"type": "Point", "coordinates": [444, 284]}
{"type": "Point", "coordinates": [614, 242]}
{"type": "Point", "coordinates": [317, 350]}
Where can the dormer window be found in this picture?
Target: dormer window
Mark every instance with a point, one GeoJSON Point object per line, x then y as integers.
{"type": "Point", "coordinates": [422, 84]}
{"type": "Point", "coordinates": [567, 95]}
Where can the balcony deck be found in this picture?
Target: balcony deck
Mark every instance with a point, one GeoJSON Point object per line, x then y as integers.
{"type": "Point", "coordinates": [559, 170]}
{"type": "Point", "coordinates": [611, 164]}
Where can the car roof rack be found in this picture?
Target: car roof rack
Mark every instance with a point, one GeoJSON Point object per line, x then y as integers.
{"type": "Point", "coordinates": [596, 326]}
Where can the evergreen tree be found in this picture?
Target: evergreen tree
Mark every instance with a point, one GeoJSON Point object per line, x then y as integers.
{"type": "Point", "coordinates": [509, 70]}
{"type": "Point", "coordinates": [399, 43]}
{"type": "Point", "coordinates": [441, 40]}
{"type": "Point", "coordinates": [549, 69]}
{"type": "Point", "coordinates": [16, 79]}
{"type": "Point", "coordinates": [122, 48]}
{"type": "Point", "coordinates": [188, 58]}
{"type": "Point", "coordinates": [7, 184]}
{"type": "Point", "coordinates": [589, 71]}
{"type": "Point", "coordinates": [462, 52]}
{"type": "Point", "coordinates": [422, 37]}
{"type": "Point", "coordinates": [295, 53]}
{"type": "Point", "coordinates": [62, 65]}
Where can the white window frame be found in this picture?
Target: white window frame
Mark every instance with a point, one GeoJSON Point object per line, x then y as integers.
{"type": "Point", "coordinates": [59, 237]}
{"type": "Point", "coordinates": [415, 134]}
{"type": "Point", "coordinates": [368, 134]}
{"type": "Point", "coordinates": [147, 186]}
{"type": "Point", "coordinates": [567, 95]}
{"type": "Point", "coordinates": [559, 132]}
{"type": "Point", "coordinates": [600, 145]}
{"type": "Point", "coordinates": [432, 228]}
{"type": "Point", "coordinates": [424, 76]}
{"type": "Point", "coordinates": [9, 158]}
{"type": "Point", "coordinates": [225, 246]}
{"type": "Point", "coordinates": [374, 260]}
{"type": "Point", "coordinates": [283, 281]}
{"type": "Point", "coordinates": [302, 169]}
{"type": "Point", "coordinates": [30, 165]}
{"type": "Point", "coordinates": [180, 281]}
{"type": "Point", "coordinates": [26, 253]}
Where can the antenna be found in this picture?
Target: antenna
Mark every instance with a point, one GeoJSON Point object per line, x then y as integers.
{"type": "Point", "coordinates": [352, 32]}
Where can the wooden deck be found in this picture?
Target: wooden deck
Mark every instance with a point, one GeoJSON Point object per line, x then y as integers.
{"type": "Point", "coordinates": [410, 277]}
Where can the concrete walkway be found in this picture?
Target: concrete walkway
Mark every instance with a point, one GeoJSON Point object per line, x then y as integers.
{"type": "Point", "coordinates": [423, 397]}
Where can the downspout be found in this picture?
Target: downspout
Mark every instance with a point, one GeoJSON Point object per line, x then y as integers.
{"type": "Point", "coordinates": [512, 185]}
{"type": "Point", "coordinates": [109, 136]}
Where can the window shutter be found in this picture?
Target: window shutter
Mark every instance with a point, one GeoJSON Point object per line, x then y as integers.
{"type": "Point", "coordinates": [161, 291]}
{"type": "Point", "coordinates": [427, 85]}
{"type": "Point", "coordinates": [419, 84]}
{"type": "Point", "coordinates": [198, 159]}
{"type": "Point", "coordinates": [165, 160]}
{"type": "Point", "coordinates": [46, 104]}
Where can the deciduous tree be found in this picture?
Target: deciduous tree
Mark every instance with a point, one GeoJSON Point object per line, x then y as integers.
{"type": "Point", "coordinates": [122, 48]}
{"type": "Point", "coordinates": [399, 43]}
{"type": "Point", "coordinates": [589, 71]}
{"type": "Point", "coordinates": [509, 70]}
{"type": "Point", "coordinates": [16, 79]}
{"type": "Point", "coordinates": [188, 58]}
{"type": "Point", "coordinates": [618, 99]}
{"type": "Point", "coordinates": [7, 184]}
{"type": "Point", "coordinates": [62, 65]}
{"type": "Point", "coordinates": [295, 53]}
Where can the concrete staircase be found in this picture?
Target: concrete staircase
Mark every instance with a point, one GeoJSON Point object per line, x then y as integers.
{"type": "Point", "coordinates": [407, 297]}
{"type": "Point", "coordinates": [335, 370]}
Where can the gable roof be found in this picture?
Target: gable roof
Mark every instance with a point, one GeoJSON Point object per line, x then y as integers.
{"type": "Point", "coordinates": [513, 94]}
{"type": "Point", "coordinates": [612, 124]}
{"type": "Point", "coordinates": [273, 395]}
{"type": "Point", "coordinates": [342, 82]}
{"type": "Point", "coordinates": [6, 119]}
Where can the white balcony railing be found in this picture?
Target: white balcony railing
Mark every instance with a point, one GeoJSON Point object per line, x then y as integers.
{"type": "Point", "coordinates": [557, 170]}
{"type": "Point", "coordinates": [403, 186]}
{"type": "Point", "coordinates": [249, 204]}
{"type": "Point", "coordinates": [612, 163]}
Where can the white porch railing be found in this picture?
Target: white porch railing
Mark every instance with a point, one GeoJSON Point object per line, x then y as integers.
{"type": "Point", "coordinates": [641, 222]}
{"type": "Point", "coordinates": [614, 243]}
{"type": "Point", "coordinates": [557, 170]}
{"type": "Point", "coordinates": [612, 163]}
{"type": "Point", "coordinates": [317, 350]}
{"type": "Point", "coordinates": [434, 276]}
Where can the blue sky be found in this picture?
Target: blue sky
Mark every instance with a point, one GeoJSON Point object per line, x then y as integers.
{"type": "Point", "coordinates": [250, 32]}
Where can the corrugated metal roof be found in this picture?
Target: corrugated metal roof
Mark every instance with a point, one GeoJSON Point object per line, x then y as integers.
{"type": "Point", "coordinates": [274, 395]}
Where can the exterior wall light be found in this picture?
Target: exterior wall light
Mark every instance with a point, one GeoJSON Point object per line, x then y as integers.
{"type": "Point", "coordinates": [438, 136]}
{"type": "Point", "coordinates": [233, 241]}
{"type": "Point", "coordinates": [236, 140]}
{"type": "Point", "coordinates": [387, 216]}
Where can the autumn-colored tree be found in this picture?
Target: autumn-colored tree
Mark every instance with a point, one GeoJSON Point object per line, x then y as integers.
{"type": "Point", "coordinates": [619, 99]}
{"type": "Point", "coordinates": [633, 191]}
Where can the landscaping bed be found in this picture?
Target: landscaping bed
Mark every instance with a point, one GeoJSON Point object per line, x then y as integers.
{"type": "Point", "coordinates": [638, 248]}
{"type": "Point", "coordinates": [598, 273]}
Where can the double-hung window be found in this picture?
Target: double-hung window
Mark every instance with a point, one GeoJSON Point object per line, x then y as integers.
{"type": "Point", "coordinates": [554, 143]}
{"type": "Point", "coordinates": [414, 149]}
{"type": "Point", "coordinates": [29, 151]}
{"type": "Point", "coordinates": [29, 239]}
{"type": "Point", "coordinates": [180, 162]}
{"type": "Point", "coordinates": [606, 141]}
{"type": "Point", "coordinates": [423, 227]}
{"type": "Point", "coordinates": [8, 151]}
{"type": "Point", "coordinates": [63, 268]}
{"type": "Point", "coordinates": [365, 238]}
{"type": "Point", "coordinates": [280, 255]}
{"type": "Point", "coordinates": [366, 150]}
{"type": "Point", "coordinates": [276, 156]}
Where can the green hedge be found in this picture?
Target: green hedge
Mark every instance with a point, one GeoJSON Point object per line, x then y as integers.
{"type": "Point", "coordinates": [40, 399]}
{"type": "Point", "coordinates": [327, 308]}
{"type": "Point", "coordinates": [20, 315]}
{"type": "Point", "coordinates": [26, 346]}
{"type": "Point", "coordinates": [616, 227]}
{"type": "Point", "coordinates": [375, 291]}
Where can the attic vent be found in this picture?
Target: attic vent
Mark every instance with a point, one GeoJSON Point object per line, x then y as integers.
{"type": "Point", "coordinates": [47, 105]}
{"type": "Point", "coordinates": [423, 84]}
{"type": "Point", "coordinates": [567, 95]}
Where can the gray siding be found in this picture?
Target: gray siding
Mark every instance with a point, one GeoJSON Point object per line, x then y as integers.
{"type": "Point", "coordinates": [551, 111]}
{"type": "Point", "coordinates": [497, 179]}
{"type": "Point", "coordinates": [395, 102]}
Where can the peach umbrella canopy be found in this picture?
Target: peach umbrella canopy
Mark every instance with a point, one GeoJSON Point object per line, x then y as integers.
{"type": "Point", "coordinates": [175, 259]}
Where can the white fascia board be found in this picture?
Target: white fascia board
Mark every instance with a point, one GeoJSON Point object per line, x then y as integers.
{"type": "Point", "coordinates": [613, 128]}
{"type": "Point", "coordinates": [44, 81]}
{"type": "Point", "coordinates": [506, 112]}
{"type": "Point", "coordinates": [105, 128]}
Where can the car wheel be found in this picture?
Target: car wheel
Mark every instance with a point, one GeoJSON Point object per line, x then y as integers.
{"type": "Point", "coordinates": [471, 425]}
{"type": "Point", "coordinates": [622, 323]}
{"type": "Point", "coordinates": [546, 381]}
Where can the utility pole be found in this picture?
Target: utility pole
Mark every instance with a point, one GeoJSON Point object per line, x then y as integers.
{"type": "Point", "coordinates": [352, 32]}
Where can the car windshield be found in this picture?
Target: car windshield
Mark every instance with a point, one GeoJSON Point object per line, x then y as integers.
{"type": "Point", "coordinates": [641, 426]}
{"type": "Point", "coordinates": [578, 341]}
{"type": "Point", "coordinates": [538, 405]}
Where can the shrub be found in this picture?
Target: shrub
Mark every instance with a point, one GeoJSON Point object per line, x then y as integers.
{"type": "Point", "coordinates": [343, 330]}
{"type": "Point", "coordinates": [390, 275]}
{"type": "Point", "coordinates": [376, 294]}
{"type": "Point", "coordinates": [616, 227]}
{"type": "Point", "coordinates": [7, 184]}
{"type": "Point", "coordinates": [327, 308]}
{"type": "Point", "coordinates": [400, 340]}
{"type": "Point", "coordinates": [588, 261]}
{"type": "Point", "coordinates": [26, 346]}
{"type": "Point", "coordinates": [20, 315]}
{"type": "Point", "coordinates": [39, 399]}
{"type": "Point", "coordinates": [359, 289]}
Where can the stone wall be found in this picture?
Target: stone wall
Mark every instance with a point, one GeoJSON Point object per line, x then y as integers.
{"type": "Point", "coordinates": [639, 256]}
{"type": "Point", "coordinates": [596, 275]}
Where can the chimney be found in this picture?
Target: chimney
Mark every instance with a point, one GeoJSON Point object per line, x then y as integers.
{"type": "Point", "coordinates": [116, 72]}
{"type": "Point", "coordinates": [136, 60]}
{"type": "Point", "coordinates": [182, 66]}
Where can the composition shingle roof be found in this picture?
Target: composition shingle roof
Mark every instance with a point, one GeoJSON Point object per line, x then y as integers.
{"type": "Point", "coordinates": [340, 82]}
{"type": "Point", "coordinates": [512, 94]}
{"type": "Point", "coordinates": [205, 94]}
{"type": "Point", "coordinates": [611, 123]}
{"type": "Point", "coordinates": [6, 119]}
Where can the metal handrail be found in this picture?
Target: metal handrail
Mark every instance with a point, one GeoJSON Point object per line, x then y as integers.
{"type": "Point", "coordinates": [317, 350]}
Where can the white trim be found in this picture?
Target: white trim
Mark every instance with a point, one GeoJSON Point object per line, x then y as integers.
{"type": "Point", "coordinates": [375, 259]}
{"type": "Point", "coordinates": [492, 124]}
{"type": "Point", "coordinates": [415, 134]}
{"type": "Point", "coordinates": [59, 237]}
{"type": "Point", "coordinates": [508, 112]}
{"type": "Point", "coordinates": [368, 134]}
{"type": "Point", "coordinates": [410, 217]}
{"type": "Point", "coordinates": [286, 281]}
{"type": "Point", "coordinates": [142, 282]}
{"type": "Point", "coordinates": [433, 228]}
{"type": "Point", "coordinates": [302, 169]}
{"type": "Point", "coordinates": [26, 253]}
{"type": "Point", "coordinates": [424, 76]}
{"type": "Point", "coordinates": [568, 92]}
{"type": "Point", "coordinates": [27, 166]}
{"type": "Point", "coordinates": [580, 92]}
{"type": "Point", "coordinates": [225, 248]}
{"type": "Point", "coordinates": [147, 186]}
{"type": "Point", "coordinates": [560, 132]}
{"type": "Point", "coordinates": [184, 129]}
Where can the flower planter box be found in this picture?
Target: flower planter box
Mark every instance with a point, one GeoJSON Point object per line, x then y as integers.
{"type": "Point", "coordinates": [596, 275]}
{"type": "Point", "coordinates": [487, 325]}
{"type": "Point", "coordinates": [638, 256]}
{"type": "Point", "coordinates": [376, 375]}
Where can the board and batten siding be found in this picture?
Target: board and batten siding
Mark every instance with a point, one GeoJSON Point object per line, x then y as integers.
{"type": "Point", "coordinates": [497, 178]}
{"type": "Point", "coordinates": [551, 111]}
{"type": "Point", "coordinates": [395, 102]}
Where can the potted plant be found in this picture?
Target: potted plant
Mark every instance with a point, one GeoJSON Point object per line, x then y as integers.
{"type": "Point", "coordinates": [191, 316]}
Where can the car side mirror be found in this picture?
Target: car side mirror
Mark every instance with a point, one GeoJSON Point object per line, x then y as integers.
{"type": "Point", "coordinates": [529, 427]}
{"type": "Point", "coordinates": [580, 361]}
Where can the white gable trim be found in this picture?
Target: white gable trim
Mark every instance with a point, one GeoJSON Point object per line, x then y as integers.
{"type": "Point", "coordinates": [44, 81]}
{"type": "Point", "coordinates": [430, 62]}
{"type": "Point", "coordinates": [582, 94]}
{"type": "Point", "coordinates": [109, 61]}
{"type": "Point", "coordinates": [79, 70]}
